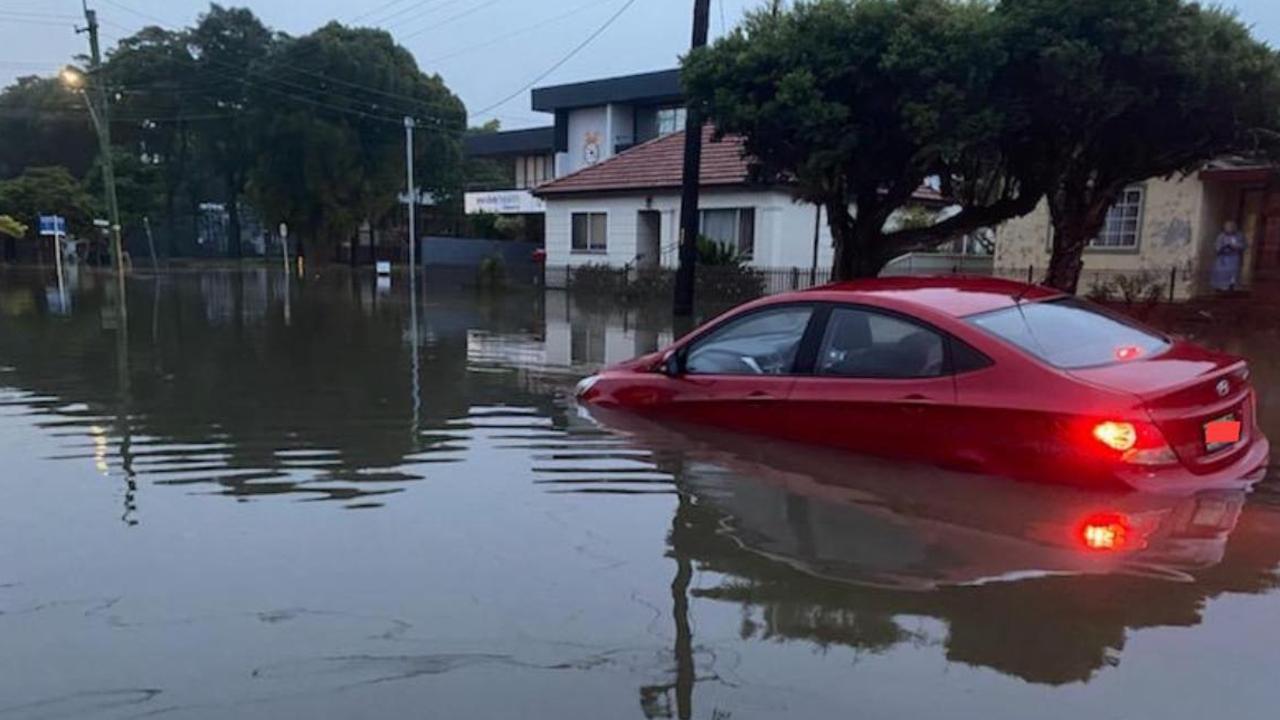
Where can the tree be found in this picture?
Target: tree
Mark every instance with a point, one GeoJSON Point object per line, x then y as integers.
{"type": "Point", "coordinates": [42, 123]}
{"type": "Point", "coordinates": [11, 228]}
{"type": "Point", "coordinates": [43, 191]}
{"type": "Point", "coordinates": [1118, 91]}
{"type": "Point", "coordinates": [153, 74]}
{"type": "Point", "coordinates": [857, 103]}
{"type": "Point", "coordinates": [138, 186]}
{"type": "Point", "coordinates": [226, 45]}
{"type": "Point", "coordinates": [333, 156]}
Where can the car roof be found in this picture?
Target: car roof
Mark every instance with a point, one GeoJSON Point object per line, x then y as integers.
{"type": "Point", "coordinates": [955, 295]}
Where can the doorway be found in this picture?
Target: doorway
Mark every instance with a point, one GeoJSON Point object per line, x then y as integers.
{"type": "Point", "coordinates": [648, 239]}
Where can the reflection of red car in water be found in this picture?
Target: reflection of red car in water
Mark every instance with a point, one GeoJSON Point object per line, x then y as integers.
{"type": "Point", "coordinates": [891, 524]}
{"type": "Point", "coordinates": [972, 373]}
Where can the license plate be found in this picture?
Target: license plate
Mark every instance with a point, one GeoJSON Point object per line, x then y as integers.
{"type": "Point", "coordinates": [1221, 433]}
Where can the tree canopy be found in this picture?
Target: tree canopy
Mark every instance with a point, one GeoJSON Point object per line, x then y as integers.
{"type": "Point", "coordinates": [1118, 91]}
{"type": "Point", "coordinates": [856, 102]}
{"type": "Point", "coordinates": [859, 103]}
{"type": "Point", "coordinates": [307, 130]}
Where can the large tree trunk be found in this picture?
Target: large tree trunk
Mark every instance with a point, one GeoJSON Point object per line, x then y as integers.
{"type": "Point", "coordinates": [1077, 217]}
{"type": "Point", "coordinates": [857, 251]}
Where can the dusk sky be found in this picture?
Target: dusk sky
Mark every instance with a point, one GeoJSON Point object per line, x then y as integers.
{"type": "Point", "coordinates": [484, 49]}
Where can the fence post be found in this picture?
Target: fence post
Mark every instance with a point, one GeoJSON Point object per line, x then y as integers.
{"type": "Point", "coordinates": [1031, 271]}
{"type": "Point", "coordinates": [1173, 280]}
{"type": "Point", "coordinates": [795, 278]}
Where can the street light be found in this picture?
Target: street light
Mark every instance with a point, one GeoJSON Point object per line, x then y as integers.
{"type": "Point", "coordinates": [72, 78]}
{"type": "Point", "coordinates": [77, 81]}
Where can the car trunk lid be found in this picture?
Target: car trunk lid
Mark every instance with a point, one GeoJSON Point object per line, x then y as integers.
{"type": "Point", "coordinates": [1183, 389]}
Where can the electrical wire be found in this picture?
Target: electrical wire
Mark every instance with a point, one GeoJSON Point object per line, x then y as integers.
{"type": "Point", "coordinates": [446, 21]}
{"type": "Point", "coordinates": [556, 66]}
{"type": "Point", "coordinates": [375, 10]}
{"type": "Point", "coordinates": [521, 31]}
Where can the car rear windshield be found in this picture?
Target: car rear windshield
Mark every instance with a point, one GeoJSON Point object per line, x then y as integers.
{"type": "Point", "coordinates": [1069, 333]}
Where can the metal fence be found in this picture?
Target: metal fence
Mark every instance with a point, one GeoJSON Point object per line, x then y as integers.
{"type": "Point", "coordinates": [1148, 285]}
{"type": "Point", "coordinates": [1167, 284]}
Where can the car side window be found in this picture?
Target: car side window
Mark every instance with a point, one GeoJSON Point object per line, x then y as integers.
{"type": "Point", "coordinates": [865, 344]}
{"type": "Point", "coordinates": [762, 343]}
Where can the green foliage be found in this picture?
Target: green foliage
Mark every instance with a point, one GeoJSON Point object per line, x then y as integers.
{"type": "Point", "coordinates": [1136, 293]}
{"type": "Point", "coordinates": [598, 279]}
{"type": "Point", "coordinates": [858, 103]}
{"type": "Point", "coordinates": [716, 254]}
{"type": "Point", "coordinates": [45, 191]}
{"type": "Point", "coordinates": [325, 168]}
{"type": "Point", "coordinates": [1117, 91]}
{"type": "Point", "coordinates": [12, 228]}
{"type": "Point", "coordinates": [43, 124]}
{"type": "Point", "coordinates": [138, 187]}
{"type": "Point", "coordinates": [492, 272]}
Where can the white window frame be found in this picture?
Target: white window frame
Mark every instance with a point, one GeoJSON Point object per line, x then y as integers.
{"type": "Point", "coordinates": [1130, 241]}
{"type": "Point", "coordinates": [737, 226]}
{"type": "Point", "coordinates": [592, 248]}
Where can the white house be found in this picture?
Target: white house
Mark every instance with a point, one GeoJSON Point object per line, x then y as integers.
{"type": "Point", "coordinates": [625, 211]}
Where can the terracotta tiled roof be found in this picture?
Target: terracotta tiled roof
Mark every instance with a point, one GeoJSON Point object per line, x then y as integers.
{"type": "Point", "coordinates": [659, 164]}
{"type": "Point", "coordinates": [656, 164]}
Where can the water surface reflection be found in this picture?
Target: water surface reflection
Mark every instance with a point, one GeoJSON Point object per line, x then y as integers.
{"type": "Point", "coordinates": [514, 556]}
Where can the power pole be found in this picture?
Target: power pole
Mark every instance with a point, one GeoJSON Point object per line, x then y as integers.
{"type": "Point", "coordinates": [412, 193]}
{"type": "Point", "coordinates": [685, 273]}
{"type": "Point", "coordinates": [103, 126]}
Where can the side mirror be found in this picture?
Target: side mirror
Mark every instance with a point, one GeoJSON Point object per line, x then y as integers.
{"type": "Point", "coordinates": [671, 365]}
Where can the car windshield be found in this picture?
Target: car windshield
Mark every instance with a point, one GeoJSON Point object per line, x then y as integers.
{"type": "Point", "coordinates": [1068, 333]}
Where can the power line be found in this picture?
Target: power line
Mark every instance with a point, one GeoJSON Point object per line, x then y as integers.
{"type": "Point", "coordinates": [414, 16]}
{"type": "Point", "coordinates": [446, 21]}
{"type": "Point", "coordinates": [494, 41]}
{"type": "Point", "coordinates": [600, 30]}
{"type": "Point", "coordinates": [328, 78]}
{"type": "Point", "coordinates": [375, 10]}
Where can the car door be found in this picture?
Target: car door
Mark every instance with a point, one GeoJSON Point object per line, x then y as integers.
{"type": "Point", "coordinates": [880, 383]}
{"type": "Point", "coordinates": [738, 375]}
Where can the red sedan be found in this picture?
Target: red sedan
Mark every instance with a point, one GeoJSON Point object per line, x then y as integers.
{"type": "Point", "coordinates": [977, 374]}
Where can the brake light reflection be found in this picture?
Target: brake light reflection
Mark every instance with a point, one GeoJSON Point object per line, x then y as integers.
{"type": "Point", "coordinates": [1128, 352]}
{"type": "Point", "coordinates": [1105, 532]}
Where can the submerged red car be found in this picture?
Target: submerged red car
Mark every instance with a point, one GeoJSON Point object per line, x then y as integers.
{"type": "Point", "coordinates": [978, 374]}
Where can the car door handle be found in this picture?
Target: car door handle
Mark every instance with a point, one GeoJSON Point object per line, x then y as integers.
{"type": "Point", "coordinates": [759, 395]}
{"type": "Point", "coordinates": [917, 398]}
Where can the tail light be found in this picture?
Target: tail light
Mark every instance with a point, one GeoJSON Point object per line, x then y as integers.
{"type": "Point", "coordinates": [1119, 436]}
{"type": "Point", "coordinates": [1136, 443]}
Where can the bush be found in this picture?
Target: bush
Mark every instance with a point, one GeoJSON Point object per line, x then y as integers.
{"type": "Point", "coordinates": [598, 279]}
{"type": "Point", "coordinates": [1137, 293]}
{"type": "Point", "coordinates": [492, 272]}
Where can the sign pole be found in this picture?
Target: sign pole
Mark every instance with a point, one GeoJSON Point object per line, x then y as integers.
{"type": "Point", "coordinates": [57, 259]}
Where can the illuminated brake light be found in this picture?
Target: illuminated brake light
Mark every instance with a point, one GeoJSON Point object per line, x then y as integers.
{"type": "Point", "coordinates": [1105, 532]}
{"type": "Point", "coordinates": [1119, 436]}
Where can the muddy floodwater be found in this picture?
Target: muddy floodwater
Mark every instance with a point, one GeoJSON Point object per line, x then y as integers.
{"type": "Point", "coordinates": [314, 500]}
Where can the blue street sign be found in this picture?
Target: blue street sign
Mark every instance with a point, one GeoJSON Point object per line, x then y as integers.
{"type": "Point", "coordinates": [53, 225]}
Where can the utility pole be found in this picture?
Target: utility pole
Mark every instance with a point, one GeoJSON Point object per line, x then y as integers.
{"type": "Point", "coordinates": [685, 273]}
{"type": "Point", "coordinates": [102, 123]}
{"type": "Point", "coordinates": [412, 194]}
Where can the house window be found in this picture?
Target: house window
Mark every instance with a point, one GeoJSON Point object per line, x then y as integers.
{"type": "Point", "coordinates": [1124, 222]}
{"type": "Point", "coordinates": [671, 120]}
{"type": "Point", "coordinates": [733, 228]}
{"type": "Point", "coordinates": [590, 231]}
{"type": "Point", "coordinates": [532, 170]}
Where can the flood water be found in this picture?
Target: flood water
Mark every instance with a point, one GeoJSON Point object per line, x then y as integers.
{"type": "Point", "coordinates": [271, 500]}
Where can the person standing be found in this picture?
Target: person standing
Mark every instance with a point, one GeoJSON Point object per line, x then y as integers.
{"type": "Point", "coordinates": [1230, 247]}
